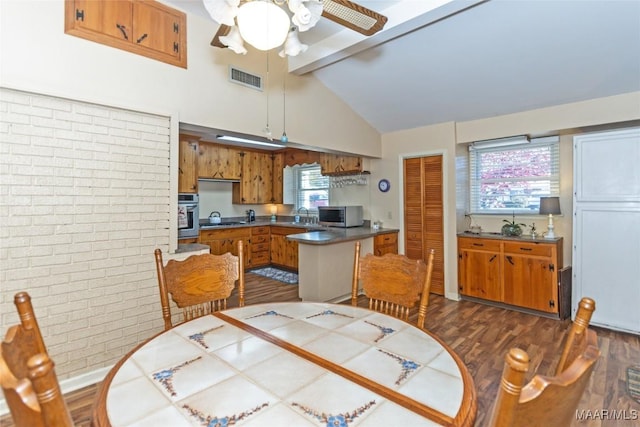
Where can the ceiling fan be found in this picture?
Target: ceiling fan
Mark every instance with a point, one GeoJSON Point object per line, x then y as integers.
{"type": "Point", "coordinates": [238, 19]}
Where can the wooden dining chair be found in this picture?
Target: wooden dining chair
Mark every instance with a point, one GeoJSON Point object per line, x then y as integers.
{"type": "Point", "coordinates": [200, 284]}
{"type": "Point", "coordinates": [574, 341]}
{"type": "Point", "coordinates": [28, 379]}
{"type": "Point", "coordinates": [393, 283]}
{"type": "Point", "coordinates": [545, 400]}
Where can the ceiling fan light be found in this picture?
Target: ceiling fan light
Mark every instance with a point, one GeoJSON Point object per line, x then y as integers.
{"type": "Point", "coordinates": [222, 11]}
{"type": "Point", "coordinates": [233, 41]}
{"type": "Point", "coordinates": [292, 46]}
{"type": "Point", "coordinates": [262, 24]}
{"type": "Point", "coordinates": [306, 14]}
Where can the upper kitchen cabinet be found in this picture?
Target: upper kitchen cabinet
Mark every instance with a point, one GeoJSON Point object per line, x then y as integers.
{"type": "Point", "coordinates": [278, 178]}
{"type": "Point", "coordinates": [334, 164]}
{"type": "Point", "coordinates": [219, 162]}
{"type": "Point", "coordinates": [188, 166]}
{"type": "Point", "coordinates": [144, 27]}
{"type": "Point", "coordinates": [256, 185]}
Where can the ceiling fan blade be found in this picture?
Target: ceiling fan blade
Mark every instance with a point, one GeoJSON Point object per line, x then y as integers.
{"type": "Point", "coordinates": [353, 16]}
{"type": "Point", "coordinates": [222, 31]}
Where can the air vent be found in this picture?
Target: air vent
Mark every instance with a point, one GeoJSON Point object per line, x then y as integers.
{"type": "Point", "coordinates": [245, 79]}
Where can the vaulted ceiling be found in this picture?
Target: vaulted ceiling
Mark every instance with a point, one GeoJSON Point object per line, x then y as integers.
{"type": "Point", "coordinates": [441, 61]}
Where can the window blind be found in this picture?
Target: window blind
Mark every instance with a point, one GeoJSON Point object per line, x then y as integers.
{"type": "Point", "coordinates": [513, 178]}
{"type": "Point", "coordinates": [311, 188]}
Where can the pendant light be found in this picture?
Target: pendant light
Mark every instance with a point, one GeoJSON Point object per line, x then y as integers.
{"type": "Point", "coordinates": [267, 129]}
{"type": "Point", "coordinates": [284, 138]}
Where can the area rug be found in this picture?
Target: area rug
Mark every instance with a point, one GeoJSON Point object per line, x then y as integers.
{"type": "Point", "coordinates": [277, 274]}
{"type": "Point", "coordinates": [633, 382]}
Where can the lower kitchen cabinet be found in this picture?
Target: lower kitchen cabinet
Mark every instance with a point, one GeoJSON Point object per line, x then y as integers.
{"type": "Point", "coordinates": [385, 244]}
{"type": "Point", "coordinates": [284, 253]}
{"type": "Point", "coordinates": [226, 240]}
{"type": "Point", "coordinates": [518, 272]}
{"type": "Point", "coordinates": [259, 254]}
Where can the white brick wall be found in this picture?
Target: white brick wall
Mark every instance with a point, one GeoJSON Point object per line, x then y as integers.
{"type": "Point", "coordinates": [84, 201]}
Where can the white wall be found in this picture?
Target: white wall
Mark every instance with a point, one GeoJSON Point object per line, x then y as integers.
{"type": "Point", "coordinates": [37, 56]}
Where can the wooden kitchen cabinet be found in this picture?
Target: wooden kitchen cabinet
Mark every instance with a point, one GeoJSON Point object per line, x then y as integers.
{"type": "Point", "coordinates": [144, 27]}
{"type": "Point", "coordinates": [479, 268]}
{"type": "Point", "coordinates": [277, 180]}
{"type": "Point", "coordinates": [518, 272]}
{"type": "Point", "coordinates": [226, 240]}
{"type": "Point", "coordinates": [188, 167]}
{"type": "Point", "coordinates": [259, 254]}
{"type": "Point", "coordinates": [385, 244]}
{"type": "Point", "coordinates": [334, 164]}
{"type": "Point", "coordinates": [219, 162]}
{"type": "Point", "coordinates": [256, 185]}
{"type": "Point", "coordinates": [284, 253]}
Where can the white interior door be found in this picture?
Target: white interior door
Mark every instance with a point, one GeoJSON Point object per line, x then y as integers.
{"type": "Point", "coordinates": [606, 227]}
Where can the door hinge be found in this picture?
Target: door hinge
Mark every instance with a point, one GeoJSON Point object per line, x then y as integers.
{"type": "Point", "coordinates": [176, 47]}
{"type": "Point", "coordinates": [552, 267]}
{"type": "Point", "coordinates": [552, 303]}
{"type": "Point", "coordinates": [176, 27]}
{"type": "Point", "coordinates": [79, 15]}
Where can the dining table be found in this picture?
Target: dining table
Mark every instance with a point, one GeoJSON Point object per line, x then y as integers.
{"type": "Point", "coordinates": [289, 364]}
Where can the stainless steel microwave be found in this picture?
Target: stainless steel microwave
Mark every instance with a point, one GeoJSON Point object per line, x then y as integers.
{"type": "Point", "coordinates": [340, 216]}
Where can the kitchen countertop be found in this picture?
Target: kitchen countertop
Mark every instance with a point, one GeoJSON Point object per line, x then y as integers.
{"type": "Point", "coordinates": [329, 235]}
{"type": "Point", "coordinates": [257, 223]}
{"type": "Point", "coordinates": [523, 238]}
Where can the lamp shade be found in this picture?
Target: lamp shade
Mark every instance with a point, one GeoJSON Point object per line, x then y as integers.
{"type": "Point", "coordinates": [550, 206]}
{"type": "Point", "coordinates": [262, 24]}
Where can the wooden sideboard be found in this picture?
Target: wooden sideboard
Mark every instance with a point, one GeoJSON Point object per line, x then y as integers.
{"type": "Point", "coordinates": [520, 272]}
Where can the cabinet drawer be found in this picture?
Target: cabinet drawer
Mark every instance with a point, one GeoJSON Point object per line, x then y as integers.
{"type": "Point", "coordinates": [479, 244]}
{"type": "Point", "coordinates": [260, 238]}
{"type": "Point", "coordinates": [256, 247]}
{"type": "Point", "coordinates": [230, 233]}
{"type": "Point", "coordinates": [524, 248]}
{"type": "Point", "coordinates": [255, 231]}
{"type": "Point", "coordinates": [260, 258]}
{"type": "Point", "coordinates": [386, 239]}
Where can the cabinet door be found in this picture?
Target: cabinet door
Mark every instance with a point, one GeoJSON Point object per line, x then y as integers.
{"type": "Point", "coordinates": [333, 164]}
{"type": "Point", "coordinates": [156, 28]}
{"type": "Point", "coordinates": [187, 169]}
{"type": "Point", "coordinates": [219, 162]}
{"type": "Point", "coordinates": [385, 244]}
{"type": "Point", "coordinates": [528, 282]}
{"type": "Point", "coordinates": [480, 274]}
{"type": "Point", "coordinates": [256, 185]}
{"type": "Point", "coordinates": [284, 252]}
{"type": "Point", "coordinates": [278, 178]}
{"type": "Point", "coordinates": [109, 18]}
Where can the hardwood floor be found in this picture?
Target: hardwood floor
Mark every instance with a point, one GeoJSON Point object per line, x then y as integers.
{"type": "Point", "coordinates": [481, 335]}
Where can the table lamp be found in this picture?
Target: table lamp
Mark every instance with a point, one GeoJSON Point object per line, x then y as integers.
{"type": "Point", "coordinates": [550, 206]}
{"type": "Point", "coordinates": [274, 211]}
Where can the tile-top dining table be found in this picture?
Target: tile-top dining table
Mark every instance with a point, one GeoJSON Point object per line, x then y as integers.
{"type": "Point", "coordinates": [289, 364]}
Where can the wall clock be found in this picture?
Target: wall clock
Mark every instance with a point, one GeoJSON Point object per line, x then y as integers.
{"type": "Point", "coordinates": [383, 185]}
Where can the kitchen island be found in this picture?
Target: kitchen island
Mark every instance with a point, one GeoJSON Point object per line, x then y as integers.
{"type": "Point", "coordinates": [325, 259]}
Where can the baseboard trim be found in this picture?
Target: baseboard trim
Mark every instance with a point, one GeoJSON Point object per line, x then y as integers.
{"type": "Point", "coordinates": [71, 384]}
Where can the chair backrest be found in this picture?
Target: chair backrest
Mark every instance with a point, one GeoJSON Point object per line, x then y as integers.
{"type": "Point", "coordinates": [200, 284]}
{"type": "Point", "coordinates": [544, 401]}
{"type": "Point", "coordinates": [393, 283]}
{"type": "Point", "coordinates": [28, 379]}
{"type": "Point", "coordinates": [574, 342]}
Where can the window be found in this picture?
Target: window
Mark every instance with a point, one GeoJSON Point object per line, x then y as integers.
{"type": "Point", "coordinates": [311, 188]}
{"type": "Point", "coordinates": [513, 178]}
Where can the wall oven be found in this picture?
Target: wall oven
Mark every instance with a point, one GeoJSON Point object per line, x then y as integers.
{"type": "Point", "coordinates": [188, 216]}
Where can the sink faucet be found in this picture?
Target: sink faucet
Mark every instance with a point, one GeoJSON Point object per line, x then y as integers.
{"type": "Point", "coordinates": [307, 210]}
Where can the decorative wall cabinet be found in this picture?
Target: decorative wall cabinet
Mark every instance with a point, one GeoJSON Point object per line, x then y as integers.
{"type": "Point", "coordinates": [385, 244]}
{"type": "Point", "coordinates": [334, 164]}
{"type": "Point", "coordinates": [188, 166]}
{"type": "Point", "coordinates": [513, 271]}
{"type": "Point", "coordinates": [219, 162]}
{"type": "Point", "coordinates": [144, 27]}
